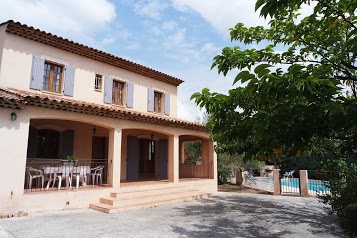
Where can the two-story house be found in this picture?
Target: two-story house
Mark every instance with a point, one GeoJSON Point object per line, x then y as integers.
{"type": "Point", "coordinates": [63, 101]}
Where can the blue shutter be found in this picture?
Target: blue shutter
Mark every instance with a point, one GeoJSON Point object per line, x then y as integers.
{"type": "Point", "coordinates": [67, 143]}
{"type": "Point", "coordinates": [130, 95]}
{"type": "Point", "coordinates": [32, 143]}
{"type": "Point", "coordinates": [69, 81]}
{"type": "Point", "coordinates": [150, 100]}
{"type": "Point", "coordinates": [108, 90]}
{"type": "Point", "coordinates": [38, 67]}
{"type": "Point", "coordinates": [163, 158]}
{"type": "Point", "coordinates": [167, 104]}
{"type": "Point", "coordinates": [133, 158]}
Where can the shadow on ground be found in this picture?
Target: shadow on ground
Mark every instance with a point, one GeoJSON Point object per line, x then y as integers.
{"type": "Point", "coordinates": [263, 216]}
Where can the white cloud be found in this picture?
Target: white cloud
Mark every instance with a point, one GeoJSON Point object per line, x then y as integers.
{"type": "Point", "coordinates": [223, 15]}
{"type": "Point", "coordinates": [133, 46]}
{"type": "Point", "coordinates": [169, 25]}
{"type": "Point", "coordinates": [178, 38]}
{"type": "Point", "coordinates": [197, 77]}
{"type": "Point", "coordinates": [69, 18]}
{"type": "Point", "coordinates": [150, 8]}
{"type": "Point", "coordinates": [211, 48]}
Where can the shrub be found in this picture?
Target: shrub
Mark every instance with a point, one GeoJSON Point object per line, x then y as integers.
{"type": "Point", "coordinates": [228, 165]}
{"type": "Point", "coordinates": [342, 177]}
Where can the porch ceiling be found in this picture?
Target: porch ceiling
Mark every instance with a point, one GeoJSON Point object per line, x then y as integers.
{"type": "Point", "coordinates": [13, 98]}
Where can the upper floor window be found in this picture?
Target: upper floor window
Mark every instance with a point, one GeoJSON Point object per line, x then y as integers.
{"type": "Point", "coordinates": [157, 102]}
{"type": "Point", "coordinates": [98, 82]}
{"type": "Point", "coordinates": [118, 93]}
{"type": "Point", "coordinates": [52, 77]}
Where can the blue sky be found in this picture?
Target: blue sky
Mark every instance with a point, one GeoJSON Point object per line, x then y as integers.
{"type": "Point", "coordinates": [177, 37]}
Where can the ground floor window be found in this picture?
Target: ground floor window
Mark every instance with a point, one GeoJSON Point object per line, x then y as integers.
{"type": "Point", "coordinates": [193, 151]}
{"type": "Point", "coordinates": [48, 143]}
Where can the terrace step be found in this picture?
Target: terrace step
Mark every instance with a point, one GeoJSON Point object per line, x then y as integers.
{"type": "Point", "coordinates": [139, 198]}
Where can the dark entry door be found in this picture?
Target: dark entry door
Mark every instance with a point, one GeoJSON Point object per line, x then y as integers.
{"type": "Point", "coordinates": [133, 155]}
{"type": "Point", "coordinates": [99, 155]}
{"type": "Point", "coordinates": [98, 148]}
{"type": "Point", "coordinates": [147, 158]}
{"type": "Point", "coordinates": [163, 157]}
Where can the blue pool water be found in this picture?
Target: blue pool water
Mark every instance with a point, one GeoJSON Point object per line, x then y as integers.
{"type": "Point", "coordinates": [313, 185]}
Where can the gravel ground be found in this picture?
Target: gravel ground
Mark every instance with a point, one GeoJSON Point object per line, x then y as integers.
{"type": "Point", "coordinates": [224, 215]}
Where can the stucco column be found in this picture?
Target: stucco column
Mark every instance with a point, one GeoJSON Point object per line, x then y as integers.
{"type": "Point", "coordinates": [13, 145]}
{"type": "Point", "coordinates": [124, 153]}
{"type": "Point", "coordinates": [304, 189]}
{"type": "Point", "coordinates": [276, 175]}
{"type": "Point", "coordinates": [213, 161]}
{"type": "Point", "coordinates": [114, 157]}
{"type": "Point", "coordinates": [182, 151]}
{"type": "Point", "coordinates": [173, 160]}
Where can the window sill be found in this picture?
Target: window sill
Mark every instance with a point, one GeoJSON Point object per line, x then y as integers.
{"type": "Point", "coordinates": [53, 93]}
{"type": "Point", "coordinates": [159, 113]}
{"type": "Point", "coordinates": [98, 90]}
{"type": "Point", "coordinates": [117, 105]}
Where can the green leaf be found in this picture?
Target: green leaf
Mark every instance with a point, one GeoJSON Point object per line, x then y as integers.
{"type": "Point", "coordinates": [258, 4]}
{"type": "Point", "coordinates": [261, 67]}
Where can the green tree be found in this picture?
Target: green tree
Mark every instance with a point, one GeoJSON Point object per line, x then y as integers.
{"type": "Point", "coordinates": [232, 165]}
{"type": "Point", "coordinates": [285, 112]}
{"type": "Point", "coordinates": [193, 151]}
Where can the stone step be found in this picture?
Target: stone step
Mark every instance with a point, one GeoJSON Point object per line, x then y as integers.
{"type": "Point", "coordinates": [145, 192]}
{"type": "Point", "coordinates": [146, 203]}
{"type": "Point", "coordinates": [148, 196]}
{"type": "Point", "coordinates": [135, 189]}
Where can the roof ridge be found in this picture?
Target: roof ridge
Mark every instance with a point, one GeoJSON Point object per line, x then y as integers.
{"type": "Point", "coordinates": [101, 55]}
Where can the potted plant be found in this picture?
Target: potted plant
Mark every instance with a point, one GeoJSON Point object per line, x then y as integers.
{"type": "Point", "coordinates": [70, 160]}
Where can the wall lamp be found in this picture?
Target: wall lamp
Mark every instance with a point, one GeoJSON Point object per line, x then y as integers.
{"type": "Point", "coordinates": [13, 116]}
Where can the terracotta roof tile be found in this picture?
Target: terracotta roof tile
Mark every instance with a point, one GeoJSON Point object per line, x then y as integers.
{"type": "Point", "coordinates": [13, 98]}
{"type": "Point", "coordinates": [10, 100]}
{"type": "Point", "coordinates": [31, 33]}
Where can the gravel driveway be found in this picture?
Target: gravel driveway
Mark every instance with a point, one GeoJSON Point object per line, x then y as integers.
{"type": "Point", "coordinates": [223, 215]}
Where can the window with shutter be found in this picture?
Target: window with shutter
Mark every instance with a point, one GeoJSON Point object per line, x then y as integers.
{"type": "Point", "coordinates": [52, 77]}
{"type": "Point", "coordinates": [157, 102]}
{"type": "Point", "coordinates": [118, 93]}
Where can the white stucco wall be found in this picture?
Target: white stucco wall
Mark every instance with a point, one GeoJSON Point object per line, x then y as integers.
{"type": "Point", "coordinates": [17, 53]}
{"type": "Point", "coordinates": [13, 147]}
{"type": "Point", "coordinates": [13, 138]}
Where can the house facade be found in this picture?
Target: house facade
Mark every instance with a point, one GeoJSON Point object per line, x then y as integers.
{"type": "Point", "coordinates": [62, 101]}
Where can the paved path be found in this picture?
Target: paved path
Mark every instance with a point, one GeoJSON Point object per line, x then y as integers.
{"type": "Point", "coordinates": [224, 215]}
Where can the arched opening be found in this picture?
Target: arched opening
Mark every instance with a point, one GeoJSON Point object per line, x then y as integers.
{"type": "Point", "coordinates": [144, 155]}
{"type": "Point", "coordinates": [73, 151]}
{"type": "Point", "coordinates": [195, 157]}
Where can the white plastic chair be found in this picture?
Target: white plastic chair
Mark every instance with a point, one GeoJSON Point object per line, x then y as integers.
{"type": "Point", "coordinates": [67, 175]}
{"type": "Point", "coordinates": [32, 174]}
{"type": "Point", "coordinates": [97, 173]}
{"type": "Point", "coordinates": [80, 173]}
{"type": "Point", "coordinates": [289, 174]}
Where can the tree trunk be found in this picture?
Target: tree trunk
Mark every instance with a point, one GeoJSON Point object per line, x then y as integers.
{"type": "Point", "coordinates": [239, 178]}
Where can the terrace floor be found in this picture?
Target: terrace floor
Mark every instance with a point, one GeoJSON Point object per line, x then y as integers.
{"type": "Point", "coordinates": [224, 215]}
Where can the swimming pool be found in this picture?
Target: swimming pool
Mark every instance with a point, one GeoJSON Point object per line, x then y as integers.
{"type": "Point", "coordinates": [315, 186]}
